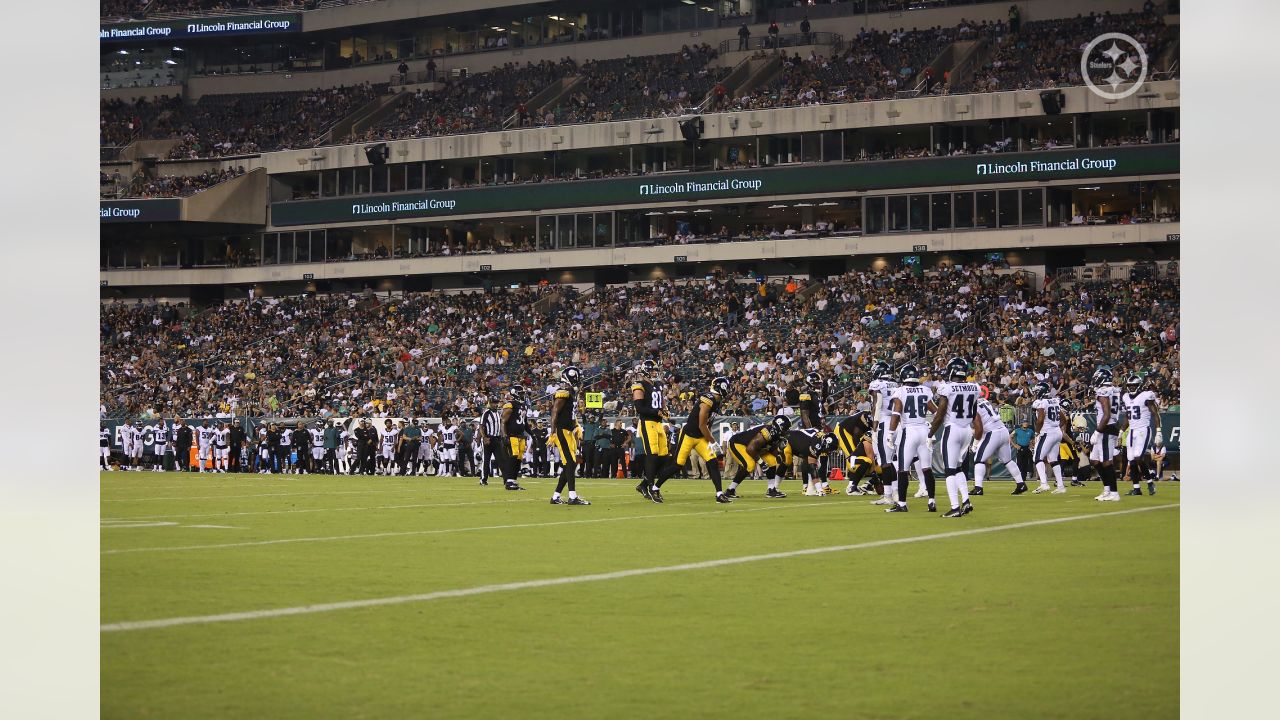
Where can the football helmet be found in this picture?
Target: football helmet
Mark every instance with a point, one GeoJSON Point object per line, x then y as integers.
{"type": "Point", "coordinates": [957, 368]}
{"type": "Point", "coordinates": [571, 375]}
{"type": "Point", "coordinates": [649, 366]}
{"type": "Point", "coordinates": [1135, 382]}
{"type": "Point", "coordinates": [720, 385]}
{"type": "Point", "coordinates": [826, 443]}
{"type": "Point", "coordinates": [881, 371]}
{"type": "Point", "coordinates": [517, 392]}
{"type": "Point", "coordinates": [1102, 376]}
{"type": "Point", "coordinates": [813, 380]}
{"type": "Point", "coordinates": [781, 423]}
{"type": "Point", "coordinates": [1041, 390]}
{"type": "Point", "coordinates": [909, 373]}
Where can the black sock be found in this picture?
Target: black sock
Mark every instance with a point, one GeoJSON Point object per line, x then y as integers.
{"type": "Point", "coordinates": [904, 477]}
{"type": "Point", "coordinates": [739, 476]}
{"type": "Point", "coordinates": [650, 470]}
{"type": "Point", "coordinates": [668, 470]}
{"type": "Point", "coordinates": [713, 468]}
{"type": "Point", "coordinates": [928, 482]}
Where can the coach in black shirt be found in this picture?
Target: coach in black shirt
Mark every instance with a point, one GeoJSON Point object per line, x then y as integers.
{"type": "Point", "coordinates": [183, 447]}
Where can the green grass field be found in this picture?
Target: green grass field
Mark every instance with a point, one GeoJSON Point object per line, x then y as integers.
{"type": "Point", "coordinates": [1074, 619]}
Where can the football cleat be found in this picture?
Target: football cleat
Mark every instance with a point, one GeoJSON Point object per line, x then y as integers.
{"type": "Point", "coordinates": [1134, 491]}
{"type": "Point", "coordinates": [933, 506]}
{"type": "Point", "coordinates": [1112, 497]}
{"type": "Point", "coordinates": [513, 486]}
{"type": "Point", "coordinates": [976, 491]}
{"type": "Point", "coordinates": [1103, 495]}
{"type": "Point", "coordinates": [811, 491]}
{"type": "Point", "coordinates": [1151, 488]}
{"type": "Point", "coordinates": [557, 501]}
{"type": "Point", "coordinates": [731, 493]}
{"type": "Point", "coordinates": [954, 513]}
{"type": "Point", "coordinates": [882, 501]}
{"type": "Point", "coordinates": [484, 482]}
{"type": "Point", "coordinates": [643, 489]}
{"type": "Point", "coordinates": [869, 489]}
{"type": "Point", "coordinates": [655, 495]}
{"type": "Point", "coordinates": [1059, 491]}
{"type": "Point", "coordinates": [967, 507]}
{"type": "Point", "coordinates": [1041, 489]}
{"type": "Point", "coordinates": [577, 501]}
{"type": "Point", "coordinates": [829, 491]}
{"type": "Point", "coordinates": [774, 493]}
{"type": "Point", "coordinates": [1077, 483]}
{"type": "Point", "coordinates": [1174, 478]}
{"type": "Point", "coordinates": [921, 493]}
{"type": "Point", "coordinates": [1019, 489]}
{"type": "Point", "coordinates": [896, 508]}
{"type": "Point", "coordinates": [722, 498]}
{"type": "Point", "coordinates": [853, 490]}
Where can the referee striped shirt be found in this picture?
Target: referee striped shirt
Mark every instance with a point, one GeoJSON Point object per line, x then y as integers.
{"type": "Point", "coordinates": [492, 424]}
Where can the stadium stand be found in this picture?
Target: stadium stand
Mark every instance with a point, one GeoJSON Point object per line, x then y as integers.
{"type": "Point", "coordinates": [1046, 53]}
{"type": "Point", "coordinates": [648, 86]}
{"type": "Point", "coordinates": [413, 354]}
{"type": "Point", "coordinates": [142, 186]}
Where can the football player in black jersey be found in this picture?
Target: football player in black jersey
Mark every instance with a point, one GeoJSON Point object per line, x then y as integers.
{"type": "Point", "coordinates": [515, 426]}
{"type": "Point", "coordinates": [761, 443]}
{"type": "Point", "coordinates": [812, 399]}
{"type": "Point", "coordinates": [563, 425]}
{"type": "Point", "coordinates": [854, 436]}
{"type": "Point", "coordinates": [648, 398]}
{"type": "Point", "coordinates": [696, 437]}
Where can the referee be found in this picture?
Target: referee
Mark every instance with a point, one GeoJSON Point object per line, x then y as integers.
{"type": "Point", "coordinates": [495, 455]}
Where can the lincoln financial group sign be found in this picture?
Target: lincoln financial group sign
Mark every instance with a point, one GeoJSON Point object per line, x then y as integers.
{"type": "Point", "coordinates": [641, 191]}
{"type": "Point", "coordinates": [201, 27]}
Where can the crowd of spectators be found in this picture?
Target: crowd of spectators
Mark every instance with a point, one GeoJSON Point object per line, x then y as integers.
{"type": "Point", "coordinates": [179, 6]}
{"type": "Point", "coordinates": [142, 186]}
{"type": "Point", "coordinates": [119, 120]}
{"type": "Point", "coordinates": [421, 353]}
{"type": "Point", "coordinates": [1046, 53]}
{"type": "Point", "coordinates": [875, 66]}
{"type": "Point", "coordinates": [639, 87]}
{"type": "Point", "coordinates": [474, 103]}
{"type": "Point", "coordinates": [226, 125]}
{"type": "Point", "coordinates": [121, 9]}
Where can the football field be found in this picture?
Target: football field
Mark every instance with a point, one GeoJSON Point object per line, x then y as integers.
{"type": "Point", "coordinates": [288, 596]}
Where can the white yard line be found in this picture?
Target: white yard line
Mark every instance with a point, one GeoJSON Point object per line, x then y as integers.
{"type": "Point", "coordinates": [539, 498]}
{"type": "Point", "coordinates": [595, 577]}
{"type": "Point", "coordinates": [443, 531]}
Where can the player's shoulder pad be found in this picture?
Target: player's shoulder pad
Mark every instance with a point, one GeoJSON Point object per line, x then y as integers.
{"type": "Point", "coordinates": [508, 406]}
{"type": "Point", "coordinates": [764, 433]}
{"type": "Point", "coordinates": [637, 386]}
{"type": "Point", "coordinates": [562, 393]}
{"type": "Point", "coordinates": [707, 401]}
{"type": "Point", "coordinates": [805, 396]}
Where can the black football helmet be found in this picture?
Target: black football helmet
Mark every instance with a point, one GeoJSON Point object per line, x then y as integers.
{"type": "Point", "coordinates": [720, 385]}
{"type": "Point", "coordinates": [1102, 376]}
{"type": "Point", "coordinates": [881, 371]}
{"type": "Point", "coordinates": [1041, 390]}
{"type": "Point", "coordinates": [571, 376]}
{"type": "Point", "coordinates": [826, 443]}
{"type": "Point", "coordinates": [781, 423]}
{"type": "Point", "coordinates": [813, 380]}
{"type": "Point", "coordinates": [517, 392]}
{"type": "Point", "coordinates": [909, 373]}
{"type": "Point", "coordinates": [957, 369]}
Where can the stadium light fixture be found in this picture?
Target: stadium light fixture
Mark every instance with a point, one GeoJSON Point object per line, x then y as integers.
{"type": "Point", "coordinates": [803, 205]}
{"type": "Point", "coordinates": [178, 49]}
{"type": "Point", "coordinates": [775, 207]}
{"type": "Point", "coordinates": [827, 204]}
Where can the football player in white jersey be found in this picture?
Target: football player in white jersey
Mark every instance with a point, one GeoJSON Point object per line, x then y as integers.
{"type": "Point", "coordinates": [204, 445]}
{"type": "Point", "coordinates": [957, 406]}
{"type": "Point", "coordinates": [911, 404]}
{"type": "Point", "coordinates": [428, 449]}
{"type": "Point", "coordinates": [1051, 426]}
{"type": "Point", "coordinates": [317, 446]}
{"type": "Point", "coordinates": [1103, 451]}
{"type": "Point", "coordinates": [993, 442]}
{"type": "Point", "coordinates": [221, 447]}
{"type": "Point", "coordinates": [388, 434]}
{"type": "Point", "coordinates": [881, 387]}
{"type": "Point", "coordinates": [448, 447]}
{"type": "Point", "coordinates": [159, 444]}
{"type": "Point", "coordinates": [1142, 411]}
{"type": "Point", "coordinates": [104, 446]}
{"type": "Point", "coordinates": [135, 449]}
